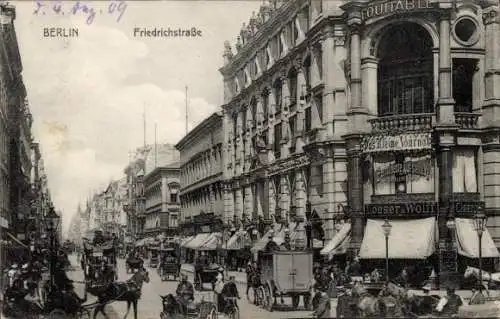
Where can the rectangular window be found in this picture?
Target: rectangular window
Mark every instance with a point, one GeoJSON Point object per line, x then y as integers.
{"type": "Point", "coordinates": [173, 198]}
{"type": "Point", "coordinates": [293, 89]}
{"type": "Point", "coordinates": [319, 106]}
{"type": "Point", "coordinates": [278, 94]}
{"type": "Point", "coordinates": [464, 174]}
{"type": "Point", "coordinates": [265, 105]}
{"type": "Point", "coordinates": [463, 74]}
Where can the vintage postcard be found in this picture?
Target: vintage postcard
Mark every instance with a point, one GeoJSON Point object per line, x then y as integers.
{"type": "Point", "coordinates": [249, 159]}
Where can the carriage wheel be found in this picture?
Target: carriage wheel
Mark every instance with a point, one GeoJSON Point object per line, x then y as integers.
{"type": "Point", "coordinates": [295, 301]}
{"type": "Point", "coordinates": [268, 299]}
{"type": "Point", "coordinates": [252, 295]}
{"type": "Point", "coordinates": [58, 314]}
{"type": "Point", "coordinates": [307, 301]}
{"type": "Point", "coordinates": [198, 285]}
{"type": "Point", "coordinates": [261, 293]}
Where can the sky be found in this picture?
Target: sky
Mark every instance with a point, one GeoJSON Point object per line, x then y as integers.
{"type": "Point", "coordinates": [88, 93]}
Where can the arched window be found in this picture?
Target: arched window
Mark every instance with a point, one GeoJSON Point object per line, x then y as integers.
{"type": "Point", "coordinates": [405, 74]}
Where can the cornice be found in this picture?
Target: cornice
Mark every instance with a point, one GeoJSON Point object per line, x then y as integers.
{"type": "Point", "coordinates": [200, 130]}
{"type": "Point", "coordinates": [280, 18]}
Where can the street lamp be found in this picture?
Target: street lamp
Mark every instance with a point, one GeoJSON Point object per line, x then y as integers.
{"type": "Point", "coordinates": [387, 232]}
{"type": "Point", "coordinates": [480, 220]}
{"type": "Point", "coordinates": [52, 223]}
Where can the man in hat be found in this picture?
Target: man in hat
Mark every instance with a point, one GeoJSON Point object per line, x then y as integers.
{"type": "Point", "coordinates": [185, 293]}
{"type": "Point", "coordinates": [98, 238]}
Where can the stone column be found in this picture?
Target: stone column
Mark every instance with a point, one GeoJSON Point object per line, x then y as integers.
{"type": "Point", "coordinates": [369, 84]}
{"type": "Point", "coordinates": [446, 103]}
{"type": "Point", "coordinates": [284, 197]}
{"type": "Point", "coordinates": [329, 74]}
{"type": "Point", "coordinates": [271, 120]}
{"type": "Point", "coordinates": [212, 198]}
{"type": "Point", "coordinates": [284, 117]}
{"type": "Point", "coordinates": [271, 196]}
{"type": "Point", "coordinates": [301, 195]}
{"type": "Point", "coordinates": [355, 191]}
{"type": "Point", "coordinates": [228, 202]}
{"type": "Point", "coordinates": [356, 90]}
{"type": "Point", "coordinates": [300, 108]}
{"type": "Point", "coordinates": [248, 201]}
{"type": "Point", "coordinates": [491, 105]}
{"type": "Point", "coordinates": [238, 211]}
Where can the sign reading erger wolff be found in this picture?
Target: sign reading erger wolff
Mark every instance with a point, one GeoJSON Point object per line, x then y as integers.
{"type": "Point", "coordinates": [382, 8]}
{"type": "Point", "coordinates": [401, 142]}
{"type": "Point", "coordinates": [401, 209]}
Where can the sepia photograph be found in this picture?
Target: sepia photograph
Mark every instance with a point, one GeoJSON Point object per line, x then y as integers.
{"type": "Point", "coordinates": [244, 159]}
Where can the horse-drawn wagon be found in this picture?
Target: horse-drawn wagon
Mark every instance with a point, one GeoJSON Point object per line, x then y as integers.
{"type": "Point", "coordinates": [206, 274]}
{"type": "Point", "coordinates": [99, 262]}
{"type": "Point", "coordinates": [133, 263]}
{"type": "Point", "coordinates": [154, 257]}
{"type": "Point", "coordinates": [170, 264]}
{"type": "Point", "coordinates": [205, 306]}
{"type": "Point", "coordinates": [284, 273]}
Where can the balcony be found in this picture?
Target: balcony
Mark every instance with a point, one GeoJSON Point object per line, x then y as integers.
{"type": "Point", "coordinates": [402, 123]}
{"type": "Point", "coordinates": [467, 120]}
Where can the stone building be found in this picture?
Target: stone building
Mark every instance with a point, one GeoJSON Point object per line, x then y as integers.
{"type": "Point", "coordinates": [389, 108]}
{"type": "Point", "coordinates": [201, 177]}
{"type": "Point", "coordinates": [161, 190]}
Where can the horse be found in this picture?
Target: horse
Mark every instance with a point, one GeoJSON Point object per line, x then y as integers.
{"type": "Point", "coordinates": [367, 304]}
{"type": "Point", "coordinates": [172, 308]}
{"type": "Point", "coordinates": [129, 291]}
{"type": "Point", "coordinates": [487, 278]}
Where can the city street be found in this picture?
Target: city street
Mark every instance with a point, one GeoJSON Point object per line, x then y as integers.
{"type": "Point", "coordinates": [150, 304]}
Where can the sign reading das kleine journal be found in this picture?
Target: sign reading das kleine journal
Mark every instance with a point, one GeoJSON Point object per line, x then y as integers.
{"type": "Point", "coordinates": [400, 142]}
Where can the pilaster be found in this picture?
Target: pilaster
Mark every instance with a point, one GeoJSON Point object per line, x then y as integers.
{"type": "Point", "coordinates": [491, 106]}
{"type": "Point", "coordinates": [285, 197]}
{"type": "Point", "coordinates": [300, 195]}
{"type": "Point", "coordinates": [329, 74]}
{"type": "Point", "coordinates": [446, 103]}
{"type": "Point", "coordinates": [271, 196]}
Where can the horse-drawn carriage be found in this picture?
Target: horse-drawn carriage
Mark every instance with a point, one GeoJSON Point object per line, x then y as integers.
{"type": "Point", "coordinates": [99, 263]}
{"type": "Point", "coordinates": [205, 306]}
{"type": "Point", "coordinates": [206, 274]}
{"type": "Point", "coordinates": [284, 273]}
{"type": "Point", "coordinates": [154, 257]}
{"type": "Point", "coordinates": [133, 263]}
{"type": "Point", "coordinates": [170, 264]}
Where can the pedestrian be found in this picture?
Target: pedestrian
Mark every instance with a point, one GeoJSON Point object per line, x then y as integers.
{"type": "Point", "coordinates": [219, 285]}
{"type": "Point", "coordinates": [323, 308]}
{"type": "Point", "coordinates": [250, 271]}
{"type": "Point", "coordinates": [477, 297]}
{"type": "Point", "coordinates": [449, 304]}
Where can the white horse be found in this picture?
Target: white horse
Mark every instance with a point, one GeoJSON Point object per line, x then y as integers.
{"type": "Point", "coordinates": [486, 276]}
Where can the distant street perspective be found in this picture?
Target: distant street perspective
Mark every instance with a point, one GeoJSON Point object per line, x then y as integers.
{"type": "Point", "coordinates": [250, 159]}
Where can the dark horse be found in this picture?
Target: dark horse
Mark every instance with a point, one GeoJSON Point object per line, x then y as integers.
{"type": "Point", "coordinates": [129, 291]}
{"type": "Point", "coordinates": [172, 309]}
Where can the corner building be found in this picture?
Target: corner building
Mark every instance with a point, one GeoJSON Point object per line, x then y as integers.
{"type": "Point", "coordinates": [389, 108]}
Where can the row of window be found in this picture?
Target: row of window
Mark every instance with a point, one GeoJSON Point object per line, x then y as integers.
{"type": "Point", "coordinates": [202, 167]}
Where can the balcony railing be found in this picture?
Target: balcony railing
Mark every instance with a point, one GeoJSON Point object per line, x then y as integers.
{"type": "Point", "coordinates": [467, 120]}
{"type": "Point", "coordinates": [402, 122]}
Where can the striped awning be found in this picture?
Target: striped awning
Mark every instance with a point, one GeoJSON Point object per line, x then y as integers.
{"type": "Point", "coordinates": [186, 240]}
{"type": "Point", "coordinates": [279, 238]}
{"type": "Point", "coordinates": [339, 243]}
{"type": "Point", "coordinates": [211, 242]}
{"type": "Point", "coordinates": [409, 239]}
{"type": "Point", "coordinates": [468, 241]}
{"type": "Point", "coordinates": [199, 240]}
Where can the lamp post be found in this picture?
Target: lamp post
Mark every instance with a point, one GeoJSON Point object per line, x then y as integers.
{"type": "Point", "coordinates": [480, 220]}
{"type": "Point", "coordinates": [387, 232]}
{"type": "Point", "coordinates": [52, 223]}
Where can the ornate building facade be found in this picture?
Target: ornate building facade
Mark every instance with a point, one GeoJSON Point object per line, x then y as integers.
{"type": "Point", "coordinates": [161, 190]}
{"type": "Point", "coordinates": [388, 108]}
{"type": "Point", "coordinates": [201, 177]}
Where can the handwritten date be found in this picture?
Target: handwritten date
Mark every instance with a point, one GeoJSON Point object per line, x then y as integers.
{"type": "Point", "coordinates": [58, 7]}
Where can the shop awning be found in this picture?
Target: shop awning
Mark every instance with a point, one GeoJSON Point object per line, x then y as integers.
{"type": "Point", "coordinates": [279, 238]}
{"type": "Point", "coordinates": [468, 242]}
{"type": "Point", "coordinates": [210, 243]}
{"type": "Point", "coordinates": [198, 241]}
{"type": "Point", "coordinates": [409, 239]}
{"type": "Point", "coordinates": [186, 240]}
{"type": "Point", "coordinates": [339, 243]}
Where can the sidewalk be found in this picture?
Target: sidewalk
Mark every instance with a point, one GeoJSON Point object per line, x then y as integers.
{"type": "Point", "coordinates": [240, 277]}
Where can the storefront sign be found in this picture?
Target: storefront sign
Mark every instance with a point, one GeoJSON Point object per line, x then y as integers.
{"type": "Point", "coordinates": [467, 208]}
{"type": "Point", "coordinates": [395, 6]}
{"type": "Point", "coordinates": [401, 209]}
{"type": "Point", "coordinates": [421, 167]}
{"type": "Point", "coordinates": [391, 143]}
